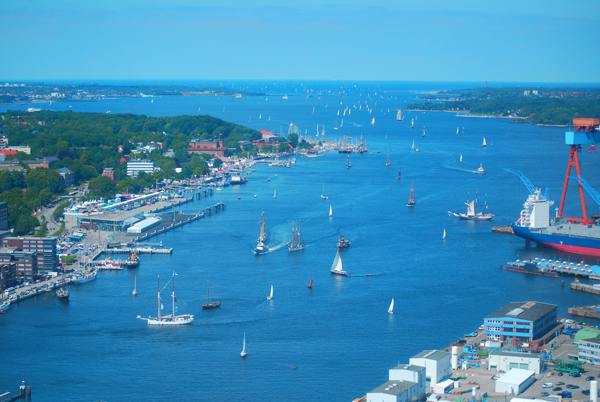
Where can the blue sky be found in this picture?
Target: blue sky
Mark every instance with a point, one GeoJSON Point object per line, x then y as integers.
{"type": "Point", "coordinates": [427, 40]}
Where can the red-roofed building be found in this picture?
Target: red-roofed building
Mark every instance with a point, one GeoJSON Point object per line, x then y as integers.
{"type": "Point", "coordinates": [7, 152]}
{"type": "Point", "coordinates": [268, 136]}
{"type": "Point", "coordinates": [211, 147]}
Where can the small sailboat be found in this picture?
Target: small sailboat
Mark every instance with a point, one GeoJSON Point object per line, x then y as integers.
{"type": "Point", "coordinates": [423, 132]}
{"type": "Point", "coordinates": [134, 286]}
{"type": "Point", "coordinates": [411, 200]}
{"type": "Point", "coordinates": [373, 121]}
{"type": "Point", "coordinates": [210, 304]}
{"type": "Point", "coordinates": [275, 194]}
{"type": "Point", "coordinates": [342, 123]}
{"type": "Point", "coordinates": [398, 174]}
{"type": "Point", "coordinates": [483, 145]}
{"type": "Point", "coordinates": [461, 157]}
{"type": "Point", "coordinates": [260, 116]}
{"type": "Point", "coordinates": [444, 235]}
{"type": "Point", "coordinates": [337, 268]}
{"type": "Point", "coordinates": [412, 123]}
{"type": "Point", "coordinates": [310, 283]}
{"type": "Point", "coordinates": [388, 163]}
{"type": "Point", "coordinates": [243, 354]}
{"type": "Point", "coordinates": [391, 309]}
{"type": "Point", "coordinates": [297, 243]}
{"type": "Point", "coordinates": [348, 164]}
{"type": "Point", "coordinates": [399, 115]}
{"type": "Point", "coordinates": [270, 295]}
{"type": "Point", "coordinates": [412, 148]}
{"type": "Point", "coordinates": [330, 211]}
{"type": "Point", "coordinates": [456, 130]}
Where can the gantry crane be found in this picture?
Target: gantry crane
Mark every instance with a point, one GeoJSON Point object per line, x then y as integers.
{"type": "Point", "coordinates": [586, 132]}
{"type": "Point", "coordinates": [532, 189]}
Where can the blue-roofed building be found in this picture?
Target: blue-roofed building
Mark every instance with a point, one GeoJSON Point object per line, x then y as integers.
{"type": "Point", "coordinates": [67, 175]}
{"type": "Point", "coordinates": [521, 322]}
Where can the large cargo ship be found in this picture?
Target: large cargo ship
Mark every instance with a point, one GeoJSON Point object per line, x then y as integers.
{"type": "Point", "coordinates": [535, 225]}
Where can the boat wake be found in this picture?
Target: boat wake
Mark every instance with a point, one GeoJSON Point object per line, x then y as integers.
{"type": "Point", "coordinates": [461, 170]}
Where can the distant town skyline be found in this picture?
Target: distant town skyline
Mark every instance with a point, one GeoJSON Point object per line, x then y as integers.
{"type": "Point", "coordinates": [431, 40]}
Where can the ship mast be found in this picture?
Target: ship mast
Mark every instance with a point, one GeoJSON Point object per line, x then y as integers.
{"type": "Point", "coordinates": [158, 299]}
{"type": "Point", "coordinates": [173, 295]}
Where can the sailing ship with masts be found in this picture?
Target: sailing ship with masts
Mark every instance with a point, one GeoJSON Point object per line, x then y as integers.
{"type": "Point", "coordinates": [171, 319]}
{"type": "Point", "coordinates": [208, 303]}
{"type": "Point", "coordinates": [411, 200]}
{"type": "Point", "coordinates": [297, 244]}
{"type": "Point", "coordinates": [472, 214]}
{"type": "Point", "coordinates": [399, 115]}
{"type": "Point", "coordinates": [260, 243]}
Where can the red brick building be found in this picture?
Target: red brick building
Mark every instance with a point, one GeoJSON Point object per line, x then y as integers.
{"type": "Point", "coordinates": [211, 147]}
{"type": "Point", "coordinates": [43, 247]}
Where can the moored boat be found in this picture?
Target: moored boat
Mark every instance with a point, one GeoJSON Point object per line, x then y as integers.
{"type": "Point", "coordinates": [62, 294]}
{"type": "Point", "coordinates": [5, 305]}
{"type": "Point", "coordinates": [528, 267]}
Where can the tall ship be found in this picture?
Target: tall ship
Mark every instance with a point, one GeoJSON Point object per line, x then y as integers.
{"type": "Point", "coordinates": [171, 319]}
{"type": "Point", "coordinates": [261, 248]}
{"type": "Point", "coordinates": [569, 234]}
{"type": "Point", "coordinates": [399, 115]}
{"type": "Point", "coordinates": [528, 267]}
{"type": "Point", "coordinates": [297, 244]}
{"type": "Point", "coordinates": [472, 213]}
{"type": "Point", "coordinates": [83, 278]}
{"type": "Point", "coordinates": [411, 201]}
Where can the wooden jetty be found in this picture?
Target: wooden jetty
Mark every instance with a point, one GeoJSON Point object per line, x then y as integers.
{"type": "Point", "coordinates": [585, 288]}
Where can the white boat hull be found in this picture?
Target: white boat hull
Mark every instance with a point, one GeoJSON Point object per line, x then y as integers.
{"type": "Point", "coordinates": [170, 320]}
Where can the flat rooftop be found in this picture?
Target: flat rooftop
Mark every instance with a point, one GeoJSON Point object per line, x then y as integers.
{"type": "Point", "coordinates": [431, 355]}
{"type": "Point", "coordinates": [522, 311]}
{"type": "Point", "coordinates": [395, 387]}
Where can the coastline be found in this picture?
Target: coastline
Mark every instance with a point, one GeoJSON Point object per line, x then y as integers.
{"type": "Point", "coordinates": [469, 115]}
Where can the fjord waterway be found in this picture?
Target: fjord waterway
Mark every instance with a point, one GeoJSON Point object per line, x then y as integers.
{"type": "Point", "coordinates": [338, 333]}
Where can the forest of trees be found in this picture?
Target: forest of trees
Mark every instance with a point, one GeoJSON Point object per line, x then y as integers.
{"type": "Point", "coordinates": [552, 107]}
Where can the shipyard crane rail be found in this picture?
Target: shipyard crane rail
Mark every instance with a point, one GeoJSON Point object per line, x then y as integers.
{"type": "Point", "coordinates": [532, 189]}
{"type": "Point", "coordinates": [588, 188]}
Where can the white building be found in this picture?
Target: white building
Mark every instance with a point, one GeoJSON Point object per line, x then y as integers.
{"type": "Point", "coordinates": [394, 391]}
{"type": "Point", "coordinates": [503, 361]}
{"type": "Point", "coordinates": [407, 372]}
{"type": "Point", "coordinates": [436, 363]}
{"type": "Point", "coordinates": [134, 167]}
{"type": "Point", "coordinates": [515, 381]}
{"type": "Point", "coordinates": [144, 225]}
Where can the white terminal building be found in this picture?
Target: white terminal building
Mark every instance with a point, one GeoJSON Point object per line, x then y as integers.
{"type": "Point", "coordinates": [134, 167]}
{"type": "Point", "coordinates": [499, 360]}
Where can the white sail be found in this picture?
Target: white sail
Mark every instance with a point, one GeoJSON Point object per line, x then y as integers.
{"type": "Point", "coordinates": [456, 130]}
{"type": "Point", "coordinates": [413, 145]}
{"type": "Point", "coordinates": [337, 262]}
{"type": "Point", "coordinates": [243, 354]}
{"type": "Point", "coordinates": [461, 157]}
{"type": "Point", "coordinates": [373, 121]}
{"type": "Point", "coordinates": [470, 208]}
{"type": "Point", "coordinates": [483, 142]}
{"type": "Point", "coordinates": [134, 286]}
{"type": "Point", "coordinates": [271, 295]}
{"type": "Point", "coordinates": [444, 235]}
{"type": "Point", "coordinates": [330, 211]}
{"type": "Point", "coordinates": [391, 309]}
{"type": "Point", "coordinates": [275, 194]}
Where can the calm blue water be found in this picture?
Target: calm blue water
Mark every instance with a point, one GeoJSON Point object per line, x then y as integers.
{"type": "Point", "coordinates": [339, 333]}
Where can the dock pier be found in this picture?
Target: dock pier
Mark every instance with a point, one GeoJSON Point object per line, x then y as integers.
{"type": "Point", "coordinates": [585, 288]}
{"type": "Point", "coordinates": [585, 311]}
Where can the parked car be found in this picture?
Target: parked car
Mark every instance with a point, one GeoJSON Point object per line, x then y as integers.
{"type": "Point", "coordinates": [571, 386]}
{"type": "Point", "coordinates": [557, 389]}
{"type": "Point", "coordinates": [561, 374]}
{"type": "Point", "coordinates": [560, 383]}
{"type": "Point", "coordinates": [566, 394]}
{"type": "Point", "coordinates": [544, 394]}
{"type": "Point", "coordinates": [585, 391]}
{"type": "Point", "coordinates": [575, 374]}
{"type": "Point", "coordinates": [590, 378]}
{"type": "Point", "coordinates": [547, 385]}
